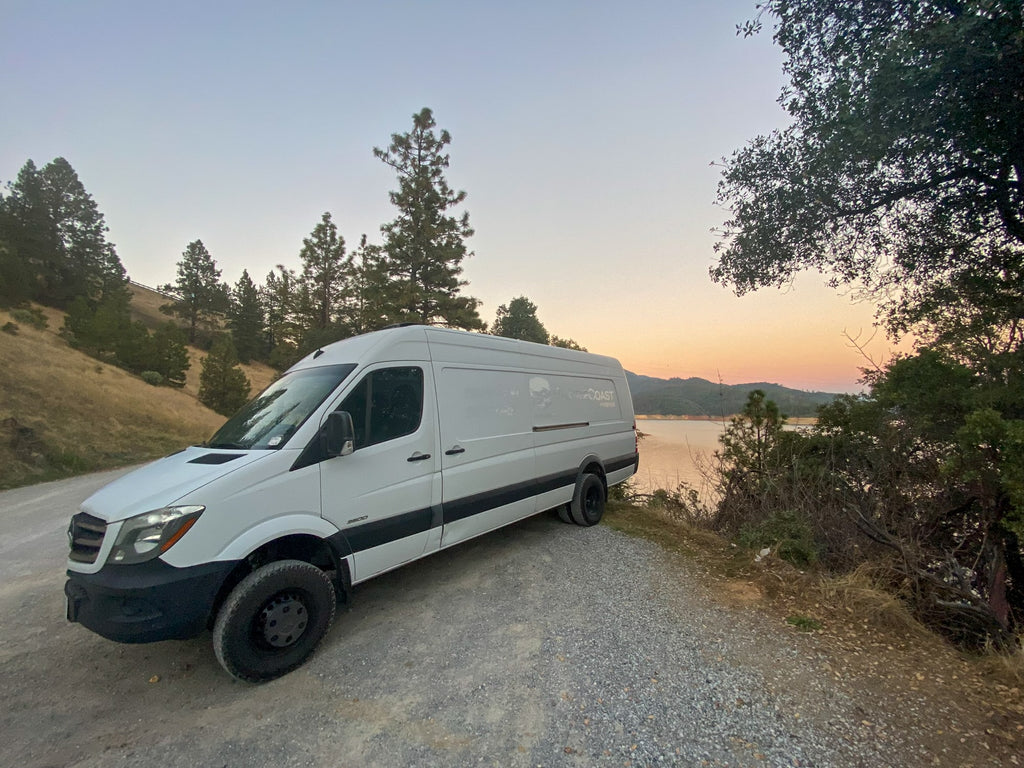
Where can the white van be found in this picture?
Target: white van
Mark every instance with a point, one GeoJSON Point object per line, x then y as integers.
{"type": "Point", "coordinates": [367, 454]}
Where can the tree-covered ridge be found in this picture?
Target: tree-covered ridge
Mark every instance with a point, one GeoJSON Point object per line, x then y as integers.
{"type": "Point", "coordinates": [707, 399]}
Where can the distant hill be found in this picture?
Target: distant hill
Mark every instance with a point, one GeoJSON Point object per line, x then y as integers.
{"type": "Point", "coordinates": [700, 397]}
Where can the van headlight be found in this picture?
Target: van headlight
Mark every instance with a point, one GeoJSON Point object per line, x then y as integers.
{"type": "Point", "coordinates": [150, 534]}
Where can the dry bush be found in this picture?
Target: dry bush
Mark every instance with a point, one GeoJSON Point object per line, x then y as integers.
{"type": "Point", "coordinates": [868, 592]}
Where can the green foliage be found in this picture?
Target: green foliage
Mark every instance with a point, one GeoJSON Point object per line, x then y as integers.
{"type": "Point", "coordinates": [152, 377]}
{"type": "Point", "coordinates": [556, 341]}
{"type": "Point", "coordinates": [902, 168]}
{"type": "Point", "coordinates": [246, 319]}
{"type": "Point", "coordinates": [168, 354]}
{"type": "Point", "coordinates": [787, 533]}
{"type": "Point", "coordinates": [990, 460]}
{"type": "Point", "coordinates": [32, 316]}
{"type": "Point", "coordinates": [416, 277]}
{"type": "Point", "coordinates": [282, 331]}
{"type": "Point", "coordinates": [199, 294]}
{"type": "Point", "coordinates": [55, 239]}
{"type": "Point", "coordinates": [15, 285]}
{"type": "Point", "coordinates": [108, 332]}
{"type": "Point", "coordinates": [921, 476]}
{"type": "Point", "coordinates": [751, 436]}
{"type": "Point", "coordinates": [223, 386]}
{"type": "Point", "coordinates": [11, 328]}
{"type": "Point", "coordinates": [518, 320]}
{"type": "Point", "coordinates": [804, 623]}
{"type": "Point", "coordinates": [327, 277]}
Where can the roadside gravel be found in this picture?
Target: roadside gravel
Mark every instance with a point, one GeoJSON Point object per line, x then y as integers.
{"type": "Point", "coordinates": [539, 645]}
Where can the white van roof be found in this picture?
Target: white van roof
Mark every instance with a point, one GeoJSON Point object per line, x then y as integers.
{"type": "Point", "coordinates": [424, 342]}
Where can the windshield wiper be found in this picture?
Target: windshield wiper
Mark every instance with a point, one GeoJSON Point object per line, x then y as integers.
{"type": "Point", "coordinates": [233, 446]}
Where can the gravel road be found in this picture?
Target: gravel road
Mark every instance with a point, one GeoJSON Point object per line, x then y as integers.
{"type": "Point", "coordinates": [539, 645]}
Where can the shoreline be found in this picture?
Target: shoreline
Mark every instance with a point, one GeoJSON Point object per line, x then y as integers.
{"type": "Point", "coordinates": [798, 420]}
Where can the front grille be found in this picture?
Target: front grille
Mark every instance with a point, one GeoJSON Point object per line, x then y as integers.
{"type": "Point", "coordinates": [85, 535]}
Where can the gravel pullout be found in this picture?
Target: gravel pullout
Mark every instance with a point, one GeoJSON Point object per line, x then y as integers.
{"type": "Point", "coordinates": [542, 644]}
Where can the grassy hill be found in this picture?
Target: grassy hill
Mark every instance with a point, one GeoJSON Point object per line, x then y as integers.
{"type": "Point", "coordinates": [63, 413]}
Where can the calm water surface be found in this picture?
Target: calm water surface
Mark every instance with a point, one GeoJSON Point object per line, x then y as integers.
{"type": "Point", "coordinates": [673, 451]}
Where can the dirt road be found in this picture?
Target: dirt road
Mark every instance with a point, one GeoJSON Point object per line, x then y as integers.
{"type": "Point", "coordinates": [542, 644]}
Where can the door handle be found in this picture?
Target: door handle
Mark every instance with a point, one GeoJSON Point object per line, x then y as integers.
{"type": "Point", "coordinates": [454, 450]}
{"type": "Point", "coordinates": [419, 456]}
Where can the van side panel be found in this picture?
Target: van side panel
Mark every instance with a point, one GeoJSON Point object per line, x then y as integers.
{"type": "Point", "coordinates": [575, 417]}
{"type": "Point", "coordinates": [487, 455]}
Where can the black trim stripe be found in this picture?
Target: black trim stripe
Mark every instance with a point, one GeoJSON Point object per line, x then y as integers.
{"type": "Point", "coordinates": [552, 427]}
{"type": "Point", "coordinates": [369, 535]}
{"type": "Point", "coordinates": [621, 463]}
{"type": "Point", "coordinates": [479, 503]}
{"type": "Point", "coordinates": [378, 532]}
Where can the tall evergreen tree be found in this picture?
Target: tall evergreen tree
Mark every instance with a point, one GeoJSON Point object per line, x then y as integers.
{"type": "Point", "coordinates": [59, 234]}
{"type": "Point", "coordinates": [326, 274]}
{"type": "Point", "coordinates": [245, 318]}
{"type": "Point", "coordinates": [280, 301]}
{"type": "Point", "coordinates": [365, 314]}
{"type": "Point", "coordinates": [425, 245]}
{"type": "Point", "coordinates": [198, 291]}
{"type": "Point", "coordinates": [518, 320]}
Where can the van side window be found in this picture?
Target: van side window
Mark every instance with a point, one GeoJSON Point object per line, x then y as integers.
{"type": "Point", "coordinates": [386, 404]}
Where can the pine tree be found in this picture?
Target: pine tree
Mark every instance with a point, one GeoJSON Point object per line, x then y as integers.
{"type": "Point", "coordinates": [518, 320]}
{"type": "Point", "coordinates": [365, 314]}
{"type": "Point", "coordinates": [326, 275]}
{"type": "Point", "coordinates": [245, 318]}
{"type": "Point", "coordinates": [223, 386]}
{"type": "Point", "coordinates": [168, 354]}
{"type": "Point", "coordinates": [57, 232]}
{"type": "Point", "coordinates": [424, 247]}
{"type": "Point", "coordinates": [198, 290]}
{"type": "Point", "coordinates": [282, 332]}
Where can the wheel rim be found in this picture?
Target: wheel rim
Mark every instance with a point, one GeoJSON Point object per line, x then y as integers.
{"type": "Point", "coordinates": [592, 503]}
{"type": "Point", "coordinates": [283, 620]}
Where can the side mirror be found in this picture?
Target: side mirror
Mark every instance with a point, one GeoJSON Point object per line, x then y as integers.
{"type": "Point", "coordinates": [338, 435]}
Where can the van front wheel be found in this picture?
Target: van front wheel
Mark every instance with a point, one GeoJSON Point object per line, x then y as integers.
{"type": "Point", "coordinates": [587, 507]}
{"type": "Point", "coordinates": [273, 620]}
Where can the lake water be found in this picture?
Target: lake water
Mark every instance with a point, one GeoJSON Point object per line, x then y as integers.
{"type": "Point", "coordinates": [673, 450]}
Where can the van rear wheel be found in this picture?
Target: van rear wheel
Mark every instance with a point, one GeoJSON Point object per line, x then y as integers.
{"type": "Point", "coordinates": [273, 620]}
{"type": "Point", "coordinates": [587, 507]}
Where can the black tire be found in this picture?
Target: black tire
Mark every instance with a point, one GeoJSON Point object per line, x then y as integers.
{"type": "Point", "coordinates": [564, 514]}
{"type": "Point", "coordinates": [587, 507]}
{"type": "Point", "coordinates": [273, 620]}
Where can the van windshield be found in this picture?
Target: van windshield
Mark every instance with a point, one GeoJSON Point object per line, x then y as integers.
{"type": "Point", "coordinates": [274, 416]}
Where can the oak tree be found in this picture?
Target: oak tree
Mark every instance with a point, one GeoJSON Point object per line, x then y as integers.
{"type": "Point", "coordinates": [903, 168]}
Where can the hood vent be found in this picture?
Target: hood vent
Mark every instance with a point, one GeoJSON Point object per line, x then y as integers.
{"type": "Point", "coordinates": [216, 458]}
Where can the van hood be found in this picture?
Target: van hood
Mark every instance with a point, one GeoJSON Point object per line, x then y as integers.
{"type": "Point", "coordinates": [163, 482]}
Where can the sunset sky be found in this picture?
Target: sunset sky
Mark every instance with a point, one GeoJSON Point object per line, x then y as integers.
{"type": "Point", "coordinates": [583, 132]}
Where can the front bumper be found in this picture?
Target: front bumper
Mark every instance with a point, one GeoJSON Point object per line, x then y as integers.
{"type": "Point", "coordinates": [145, 602]}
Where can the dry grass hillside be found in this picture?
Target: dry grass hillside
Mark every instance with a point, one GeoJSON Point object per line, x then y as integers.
{"type": "Point", "coordinates": [64, 413]}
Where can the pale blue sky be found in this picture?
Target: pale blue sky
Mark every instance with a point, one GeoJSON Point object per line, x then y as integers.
{"type": "Point", "coordinates": [582, 133]}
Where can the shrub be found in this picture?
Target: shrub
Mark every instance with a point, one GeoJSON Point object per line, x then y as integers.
{"type": "Point", "coordinates": [152, 377]}
{"type": "Point", "coordinates": [11, 328]}
{"type": "Point", "coordinates": [222, 384]}
{"type": "Point", "coordinates": [786, 532]}
{"type": "Point", "coordinates": [33, 317]}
